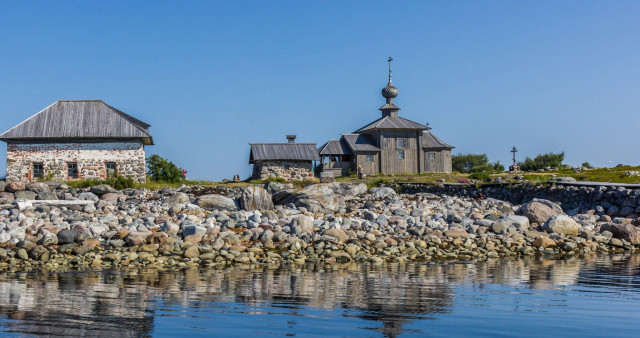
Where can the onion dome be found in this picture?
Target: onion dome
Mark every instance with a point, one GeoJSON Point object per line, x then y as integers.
{"type": "Point", "coordinates": [389, 92]}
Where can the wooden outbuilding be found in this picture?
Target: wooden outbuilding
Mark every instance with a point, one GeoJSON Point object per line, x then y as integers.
{"type": "Point", "coordinates": [290, 161]}
{"type": "Point", "coordinates": [79, 139]}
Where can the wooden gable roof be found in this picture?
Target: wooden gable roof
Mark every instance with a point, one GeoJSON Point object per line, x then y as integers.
{"type": "Point", "coordinates": [283, 152]}
{"type": "Point", "coordinates": [81, 119]}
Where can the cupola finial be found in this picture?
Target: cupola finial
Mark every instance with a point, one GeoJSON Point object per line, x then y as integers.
{"type": "Point", "coordinates": [389, 92]}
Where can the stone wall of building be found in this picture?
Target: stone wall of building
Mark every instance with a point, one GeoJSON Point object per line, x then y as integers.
{"type": "Point", "coordinates": [91, 159]}
{"type": "Point", "coordinates": [288, 170]}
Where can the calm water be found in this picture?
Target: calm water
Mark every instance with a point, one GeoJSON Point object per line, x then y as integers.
{"type": "Point", "coordinates": [597, 296]}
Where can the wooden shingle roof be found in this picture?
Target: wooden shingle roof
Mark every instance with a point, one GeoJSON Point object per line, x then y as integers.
{"type": "Point", "coordinates": [392, 122]}
{"type": "Point", "coordinates": [430, 141]}
{"type": "Point", "coordinates": [283, 152]}
{"type": "Point", "coordinates": [81, 119]}
{"type": "Point", "coordinates": [335, 147]}
{"type": "Point", "coordinates": [359, 142]}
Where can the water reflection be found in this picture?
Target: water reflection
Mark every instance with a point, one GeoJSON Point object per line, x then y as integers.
{"type": "Point", "coordinates": [389, 297]}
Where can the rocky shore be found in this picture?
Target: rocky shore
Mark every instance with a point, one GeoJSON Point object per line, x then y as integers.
{"type": "Point", "coordinates": [49, 226]}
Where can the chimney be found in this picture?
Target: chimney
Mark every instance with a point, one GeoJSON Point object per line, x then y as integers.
{"type": "Point", "coordinates": [291, 138]}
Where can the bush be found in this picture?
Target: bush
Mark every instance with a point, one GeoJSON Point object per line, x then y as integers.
{"type": "Point", "coordinates": [497, 166]}
{"type": "Point", "coordinates": [542, 161]}
{"type": "Point", "coordinates": [587, 165]}
{"type": "Point", "coordinates": [119, 183]}
{"type": "Point", "coordinates": [481, 176]}
{"type": "Point", "coordinates": [163, 170]}
{"type": "Point", "coordinates": [470, 163]}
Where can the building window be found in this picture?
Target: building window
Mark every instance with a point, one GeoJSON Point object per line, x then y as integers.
{"type": "Point", "coordinates": [369, 157]}
{"type": "Point", "coordinates": [401, 154]}
{"type": "Point", "coordinates": [400, 143]}
{"type": "Point", "coordinates": [432, 156]}
{"type": "Point", "coordinates": [111, 169]}
{"type": "Point", "coordinates": [38, 170]}
{"type": "Point", "coordinates": [72, 169]}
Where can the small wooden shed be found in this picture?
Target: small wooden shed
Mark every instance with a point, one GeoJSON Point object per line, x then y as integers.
{"type": "Point", "coordinates": [290, 161]}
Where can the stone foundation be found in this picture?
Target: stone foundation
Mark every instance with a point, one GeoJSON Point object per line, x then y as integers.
{"type": "Point", "coordinates": [289, 170]}
{"type": "Point", "coordinates": [91, 159]}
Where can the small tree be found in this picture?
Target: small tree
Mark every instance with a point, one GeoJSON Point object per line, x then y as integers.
{"type": "Point", "coordinates": [542, 161]}
{"type": "Point", "coordinates": [470, 163]}
{"type": "Point", "coordinates": [587, 165]}
{"type": "Point", "coordinates": [163, 170]}
{"type": "Point", "coordinates": [497, 166]}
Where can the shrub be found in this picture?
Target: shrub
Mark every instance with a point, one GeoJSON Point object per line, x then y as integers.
{"type": "Point", "coordinates": [470, 163]}
{"type": "Point", "coordinates": [119, 183]}
{"type": "Point", "coordinates": [587, 165]}
{"type": "Point", "coordinates": [276, 179]}
{"type": "Point", "coordinates": [542, 161]}
{"type": "Point", "coordinates": [497, 166]}
{"type": "Point", "coordinates": [480, 175]}
{"type": "Point", "coordinates": [163, 170]}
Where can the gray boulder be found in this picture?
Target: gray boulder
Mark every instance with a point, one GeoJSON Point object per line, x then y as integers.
{"type": "Point", "coordinates": [627, 232]}
{"type": "Point", "coordinates": [256, 198]}
{"type": "Point", "coordinates": [3, 185]}
{"type": "Point", "coordinates": [321, 197]}
{"type": "Point", "coordinates": [561, 224]}
{"type": "Point", "coordinates": [6, 198]}
{"type": "Point", "coordinates": [305, 223]}
{"type": "Point", "coordinates": [178, 198]}
{"type": "Point", "coordinates": [66, 236]}
{"type": "Point", "coordinates": [382, 192]}
{"type": "Point", "coordinates": [37, 187]}
{"type": "Point", "coordinates": [216, 202]}
{"type": "Point", "coordinates": [274, 187]}
{"type": "Point", "coordinates": [102, 189]}
{"type": "Point", "coordinates": [28, 195]}
{"type": "Point", "coordinates": [88, 196]}
{"type": "Point", "coordinates": [539, 210]}
{"type": "Point", "coordinates": [46, 196]}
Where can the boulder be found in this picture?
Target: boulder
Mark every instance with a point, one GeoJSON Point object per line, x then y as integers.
{"type": "Point", "coordinates": [15, 186]}
{"type": "Point", "coordinates": [66, 236]}
{"type": "Point", "coordinates": [88, 196]}
{"type": "Point", "coordinates": [274, 187]}
{"type": "Point", "coordinates": [178, 198]}
{"type": "Point", "coordinates": [539, 210]}
{"type": "Point", "coordinates": [561, 224]}
{"type": "Point", "coordinates": [544, 242]}
{"type": "Point", "coordinates": [216, 202]}
{"type": "Point", "coordinates": [170, 228]}
{"type": "Point", "coordinates": [102, 189]}
{"type": "Point", "coordinates": [304, 222]}
{"type": "Point", "coordinates": [46, 196]}
{"type": "Point", "coordinates": [628, 232]}
{"type": "Point", "coordinates": [3, 185]}
{"type": "Point", "coordinates": [112, 196]}
{"type": "Point", "coordinates": [37, 187]}
{"type": "Point", "coordinates": [256, 198]}
{"type": "Point", "coordinates": [382, 192]}
{"type": "Point", "coordinates": [137, 237]}
{"type": "Point", "coordinates": [339, 234]}
{"type": "Point", "coordinates": [321, 197]}
{"type": "Point", "coordinates": [6, 198]}
{"type": "Point", "coordinates": [28, 195]}
{"type": "Point", "coordinates": [456, 233]}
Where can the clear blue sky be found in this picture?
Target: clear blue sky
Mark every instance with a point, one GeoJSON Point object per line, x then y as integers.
{"type": "Point", "coordinates": [212, 76]}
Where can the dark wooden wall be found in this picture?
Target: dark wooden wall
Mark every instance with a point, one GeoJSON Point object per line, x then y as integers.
{"type": "Point", "coordinates": [389, 162]}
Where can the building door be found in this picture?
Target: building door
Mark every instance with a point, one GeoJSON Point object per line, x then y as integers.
{"type": "Point", "coordinates": [430, 162]}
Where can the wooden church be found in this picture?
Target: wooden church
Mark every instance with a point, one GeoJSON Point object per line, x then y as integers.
{"type": "Point", "coordinates": [388, 145]}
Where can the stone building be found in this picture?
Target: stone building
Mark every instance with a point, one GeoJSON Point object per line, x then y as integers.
{"type": "Point", "coordinates": [388, 145]}
{"type": "Point", "coordinates": [290, 161]}
{"type": "Point", "coordinates": [70, 140]}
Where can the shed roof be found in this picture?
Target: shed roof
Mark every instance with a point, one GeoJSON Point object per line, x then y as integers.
{"type": "Point", "coordinates": [360, 142]}
{"type": "Point", "coordinates": [80, 119]}
{"type": "Point", "coordinates": [283, 151]}
{"type": "Point", "coordinates": [431, 141]}
{"type": "Point", "coordinates": [335, 147]}
{"type": "Point", "coordinates": [392, 122]}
